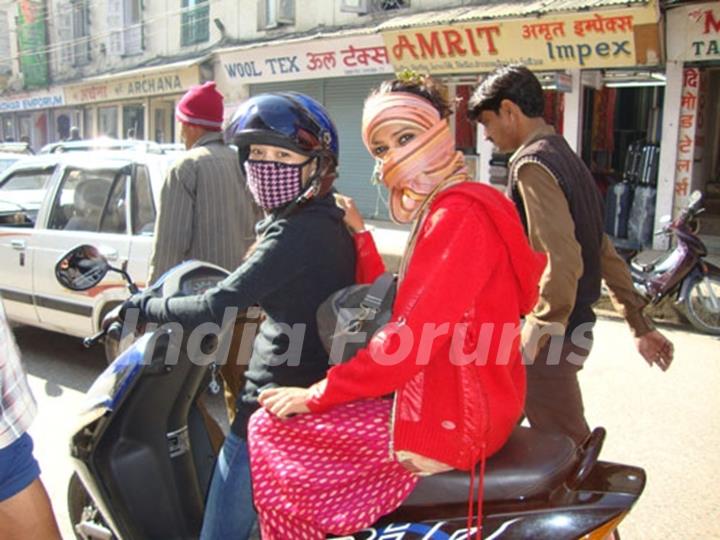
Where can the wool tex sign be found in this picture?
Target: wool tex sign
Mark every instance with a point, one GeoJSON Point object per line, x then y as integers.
{"type": "Point", "coordinates": [312, 59]}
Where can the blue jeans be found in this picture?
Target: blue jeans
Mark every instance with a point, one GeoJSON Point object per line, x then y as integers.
{"type": "Point", "coordinates": [229, 511]}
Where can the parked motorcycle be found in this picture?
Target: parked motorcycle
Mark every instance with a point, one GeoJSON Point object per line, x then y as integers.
{"type": "Point", "coordinates": [682, 274]}
{"type": "Point", "coordinates": [143, 458]}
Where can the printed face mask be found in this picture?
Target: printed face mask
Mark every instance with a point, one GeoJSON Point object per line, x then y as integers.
{"type": "Point", "coordinates": [413, 171]}
{"type": "Point", "coordinates": [274, 184]}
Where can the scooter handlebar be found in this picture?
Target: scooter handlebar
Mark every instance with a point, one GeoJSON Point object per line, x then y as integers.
{"type": "Point", "coordinates": [114, 330]}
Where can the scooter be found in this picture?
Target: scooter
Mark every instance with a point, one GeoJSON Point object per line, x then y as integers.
{"type": "Point", "coordinates": [682, 274]}
{"type": "Point", "coordinates": [143, 459]}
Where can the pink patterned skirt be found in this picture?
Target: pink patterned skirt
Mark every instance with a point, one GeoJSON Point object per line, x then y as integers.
{"type": "Point", "coordinates": [328, 473]}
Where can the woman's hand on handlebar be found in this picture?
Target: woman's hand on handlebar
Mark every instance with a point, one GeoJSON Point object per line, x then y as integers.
{"type": "Point", "coordinates": [112, 316]}
{"type": "Point", "coordinates": [129, 311]}
{"type": "Point", "coordinates": [285, 401]}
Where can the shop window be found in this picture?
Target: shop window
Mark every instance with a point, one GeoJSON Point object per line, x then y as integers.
{"type": "Point", "coordinates": [554, 109]}
{"type": "Point", "coordinates": [5, 55]}
{"type": "Point", "coordinates": [108, 121]}
{"type": "Point", "coordinates": [126, 29]}
{"type": "Point", "coordinates": [465, 130]}
{"type": "Point", "coordinates": [363, 7]}
{"type": "Point", "coordinates": [274, 13]}
{"type": "Point", "coordinates": [134, 121]}
{"type": "Point", "coordinates": [81, 33]}
{"type": "Point", "coordinates": [194, 25]}
{"type": "Point", "coordinates": [73, 29]}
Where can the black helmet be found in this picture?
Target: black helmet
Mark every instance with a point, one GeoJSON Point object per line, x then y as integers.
{"type": "Point", "coordinates": [289, 120]}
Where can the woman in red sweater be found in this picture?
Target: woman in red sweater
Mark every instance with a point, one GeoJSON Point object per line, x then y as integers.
{"type": "Point", "coordinates": [449, 355]}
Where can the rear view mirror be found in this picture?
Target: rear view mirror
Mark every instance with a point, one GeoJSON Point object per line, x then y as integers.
{"type": "Point", "coordinates": [664, 220]}
{"type": "Point", "coordinates": [81, 268]}
{"type": "Point", "coordinates": [695, 197]}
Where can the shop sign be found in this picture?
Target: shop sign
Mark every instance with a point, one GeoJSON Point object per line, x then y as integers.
{"type": "Point", "coordinates": [171, 82]}
{"type": "Point", "coordinates": [31, 101]}
{"type": "Point", "coordinates": [617, 38]}
{"type": "Point", "coordinates": [313, 59]}
{"type": "Point", "coordinates": [690, 138]}
{"type": "Point", "coordinates": [694, 32]}
{"type": "Point", "coordinates": [32, 42]}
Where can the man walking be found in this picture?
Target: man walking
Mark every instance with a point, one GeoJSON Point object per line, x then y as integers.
{"type": "Point", "coordinates": [562, 211]}
{"type": "Point", "coordinates": [25, 510]}
{"type": "Point", "coordinates": [206, 211]}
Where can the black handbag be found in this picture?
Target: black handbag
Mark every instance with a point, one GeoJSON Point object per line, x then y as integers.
{"type": "Point", "coordinates": [351, 316]}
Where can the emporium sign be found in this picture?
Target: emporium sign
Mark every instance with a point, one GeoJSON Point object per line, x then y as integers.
{"type": "Point", "coordinates": [170, 82]}
{"type": "Point", "coordinates": [613, 38]}
{"type": "Point", "coordinates": [35, 100]}
{"type": "Point", "coordinates": [313, 59]}
{"type": "Point", "coordinates": [694, 32]}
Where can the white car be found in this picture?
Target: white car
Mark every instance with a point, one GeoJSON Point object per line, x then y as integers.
{"type": "Point", "coordinates": [8, 158]}
{"type": "Point", "coordinates": [51, 203]}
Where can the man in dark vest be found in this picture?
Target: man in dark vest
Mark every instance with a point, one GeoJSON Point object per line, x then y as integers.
{"type": "Point", "coordinates": [562, 211]}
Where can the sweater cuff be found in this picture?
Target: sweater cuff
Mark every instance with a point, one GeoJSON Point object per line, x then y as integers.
{"type": "Point", "coordinates": [639, 324]}
{"type": "Point", "coordinates": [363, 237]}
{"type": "Point", "coordinates": [317, 391]}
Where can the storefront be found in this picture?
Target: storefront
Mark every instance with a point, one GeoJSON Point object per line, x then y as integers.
{"type": "Point", "coordinates": [570, 51]}
{"type": "Point", "coordinates": [28, 116]}
{"type": "Point", "coordinates": [337, 71]}
{"type": "Point", "coordinates": [691, 145]}
{"type": "Point", "coordinates": [136, 104]}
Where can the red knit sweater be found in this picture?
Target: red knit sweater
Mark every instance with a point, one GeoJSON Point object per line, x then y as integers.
{"type": "Point", "coordinates": [473, 271]}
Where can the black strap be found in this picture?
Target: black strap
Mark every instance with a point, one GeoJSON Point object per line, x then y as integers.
{"type": "Point", "coordinates": [378, 291]}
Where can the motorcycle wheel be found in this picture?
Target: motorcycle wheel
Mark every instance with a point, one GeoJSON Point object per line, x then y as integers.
{"type": "Point", "coordinates": [702, 305]}
{"type": "Point", "coordinates": [85, 518]}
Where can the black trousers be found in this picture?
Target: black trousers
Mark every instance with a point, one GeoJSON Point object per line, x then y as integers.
{"type": "Point", "coordinates": [554, 402]}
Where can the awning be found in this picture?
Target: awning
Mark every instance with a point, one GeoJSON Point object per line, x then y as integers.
{"type": "Point", "coordinates": [498, 9]}
{"type": "Point", "coordinates": [147, 70]}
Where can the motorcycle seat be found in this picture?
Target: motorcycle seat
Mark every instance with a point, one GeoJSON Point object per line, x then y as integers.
{"type": "Point", "coordinates": [531, 464]}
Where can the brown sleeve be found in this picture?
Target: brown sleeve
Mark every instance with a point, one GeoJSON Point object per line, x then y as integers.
{"type": "Point", "coordinates": [625, 299]}
{"type": "Point", "coordinates": [551, 230]}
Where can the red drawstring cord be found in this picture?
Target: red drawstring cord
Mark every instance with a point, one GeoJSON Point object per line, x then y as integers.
{"type": "Point", "coordinates": [471, 497]}
{"type": "Point", "coordinates": [481, 493]}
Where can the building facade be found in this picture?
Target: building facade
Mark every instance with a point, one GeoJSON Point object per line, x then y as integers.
{"type": "Point", "coordinates": [118, 67]}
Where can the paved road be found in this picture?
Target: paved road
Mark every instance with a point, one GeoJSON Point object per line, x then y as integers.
{"type": "Point", "coordinates": [665, 422]}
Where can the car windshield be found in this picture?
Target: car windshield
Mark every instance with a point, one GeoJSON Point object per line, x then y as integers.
{"type": "Point", "coordinates": [21, 194]}
{"type": "Point", "coordinates": [5, 163]}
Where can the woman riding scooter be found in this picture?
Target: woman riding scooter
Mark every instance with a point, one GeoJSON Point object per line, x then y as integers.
{"type": "Point", "coordinates": [468, 271]}
{"type": "Point", "coordinates": [288, 147]}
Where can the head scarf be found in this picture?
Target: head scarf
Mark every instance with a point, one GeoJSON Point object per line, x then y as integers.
{"type": "Point", "coordinates": [413, 172]}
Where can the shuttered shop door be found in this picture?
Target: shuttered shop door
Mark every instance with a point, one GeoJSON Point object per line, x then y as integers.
{"type": "Point", "coordinates": [313, 89]}
{"type": "Point", "coordinates": [344, 98]}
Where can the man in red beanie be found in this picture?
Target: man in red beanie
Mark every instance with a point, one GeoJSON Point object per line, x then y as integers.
{"type": "Point", "coordinates": [206, 211]}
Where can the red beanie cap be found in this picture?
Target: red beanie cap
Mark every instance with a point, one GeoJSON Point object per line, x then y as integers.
{"type": "Point", "coordinates": [202, 106]}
